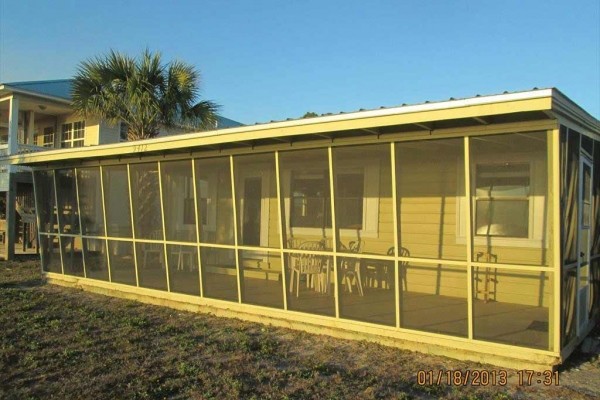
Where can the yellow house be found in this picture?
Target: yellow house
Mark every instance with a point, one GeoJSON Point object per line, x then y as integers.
{"type": "Point", "coordinates": [467, 228]}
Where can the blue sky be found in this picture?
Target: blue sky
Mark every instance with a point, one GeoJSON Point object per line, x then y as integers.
{"type": "Point", "coordinates": [271, 60]}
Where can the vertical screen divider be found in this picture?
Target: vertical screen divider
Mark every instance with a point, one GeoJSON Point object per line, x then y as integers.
{"type": "Point", "coordinates": [164, 231]}
{"type": "Point", "coordinates": [553, 140]}
{"type": "Point", "coordinates": [468, 235]}
{"type": "Point", "coordinates": [197, 226]}
{"type": "Point", "coordinates": [38, 221]}
{"type": "Point", "coordinates": [75, 170]}
{"type": "Point", "coordinates": [282, 230]}
{"type": "Point", "coordinates": [135, 257]}
{"type": "Point", "coordinates": [396, 242]}
{"type": "Point", "coordinates": [235, 230]}
{"type": "Point", "coordinates": [58, 222]}
{"type": "Point", "coordinates": [334, 232]}
{"type": "Point", "coordinates": [101, 169]}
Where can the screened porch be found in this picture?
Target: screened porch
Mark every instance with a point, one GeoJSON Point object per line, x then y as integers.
{"type": "Point", "coordinates": [448, 236]}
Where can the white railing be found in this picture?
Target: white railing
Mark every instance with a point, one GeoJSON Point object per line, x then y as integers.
{"type": "Point", "coordinates": [22, 149]}
{"type": "Point", "coordinates": [30, 148]}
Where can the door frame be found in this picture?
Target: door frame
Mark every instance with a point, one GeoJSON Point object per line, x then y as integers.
{"type": "Point", "coordinates": [583, 257]}
{"type": "Point", "coordinates": [262, 173]}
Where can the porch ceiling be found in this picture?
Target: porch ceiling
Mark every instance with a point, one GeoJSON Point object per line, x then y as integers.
{"type": "Point", "coordinates": [40, 106]}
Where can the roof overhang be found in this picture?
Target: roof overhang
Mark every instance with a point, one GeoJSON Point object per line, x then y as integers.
{"type": "Point", "coordinates": [472, 112]}
{"type": "Point", "coordinates": [7, 90]}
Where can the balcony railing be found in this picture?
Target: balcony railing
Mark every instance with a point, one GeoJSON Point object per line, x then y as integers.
{"type": "Point", "coordinates": [30, 148]}
{"type": "Point", "coordinates": [22, 149]}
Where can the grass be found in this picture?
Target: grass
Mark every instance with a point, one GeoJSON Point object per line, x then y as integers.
{"type": "Point", "coordinates": [65, 343]}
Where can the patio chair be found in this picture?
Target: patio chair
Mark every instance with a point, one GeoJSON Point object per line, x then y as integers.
{"type": "Point", "coordinates": [185, 257]}
{"type": "Point", "coordinates": [402, 267]}
{"type": "Point", "coordinates": [153, 248]}
{"type": "Point", "coordinates": [308, 265]}
{"type": "Point", "coordinates": [351, 267]}
{"type": "Point", "coordinates": [294, 243]}
{"type": "Point", "coordinates": [380, 273]}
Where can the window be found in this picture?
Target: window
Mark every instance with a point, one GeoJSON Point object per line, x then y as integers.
{"type": "Point", "coordinates": [359, 172]}
{"type": "Point", "coordinates": [509, 198]}
{"type": "Point", "coordinates": [204, 203]}
{"type": "Point", "coordinates": [350, 200]}
{"type": "Point", "coordinates": [502, 200]}
{"type": "Point", "coordinates": [48, 137]}
{"type": "Point", "coordinates": [123, 131]}
{"type": "Point", "coordinates": [73, 134]}
{"type": "Point", "coordinates": [311, 204]}
{"type": "Point", "coordinates": [362, 188]}
{"type": "Point", "coordinates": [189, 212]}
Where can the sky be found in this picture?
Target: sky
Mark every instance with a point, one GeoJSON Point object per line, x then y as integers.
{"type": "Point", "coordinates": [271, 60]}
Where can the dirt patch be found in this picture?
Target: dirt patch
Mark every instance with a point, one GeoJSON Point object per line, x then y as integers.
{"type": "Point", "coordinates": [64, 343]}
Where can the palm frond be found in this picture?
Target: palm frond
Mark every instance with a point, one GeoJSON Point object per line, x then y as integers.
{"type": "Point", "coordinates": [143, 92]}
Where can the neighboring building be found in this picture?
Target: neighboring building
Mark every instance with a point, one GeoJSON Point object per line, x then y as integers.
{"type": "Point", "coordinates": [467, 228]}
{"type": "Point", "coordinates": [37, 116]}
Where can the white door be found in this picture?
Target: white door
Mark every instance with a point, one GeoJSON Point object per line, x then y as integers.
{"type": "Point", "coordinates": [585, 219]}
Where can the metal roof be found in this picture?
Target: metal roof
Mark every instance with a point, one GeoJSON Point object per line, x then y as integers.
{"type": "Point", "coordinates": [223, 123]}
{"type": "Point", "coordinates": [56, 88]}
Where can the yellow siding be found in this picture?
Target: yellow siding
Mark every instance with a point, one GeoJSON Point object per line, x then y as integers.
{"type": "Point", "coordinates": [517, 287]}
{"type": "Point", "coordinates": [516, 255]}
{"type": "Point", "coordinates": [435, 279]}
{"type": "Point", "coordinates": [427, 207]}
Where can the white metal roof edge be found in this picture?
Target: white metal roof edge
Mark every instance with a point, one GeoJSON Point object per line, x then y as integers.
{"type": "Point", "coordinates": [447, 104]}
{"type": "Point", "coordinates": [442, 105]}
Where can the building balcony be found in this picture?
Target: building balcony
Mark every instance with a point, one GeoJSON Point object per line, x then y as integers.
{"type": "Point", "coordinates": [22, 149]}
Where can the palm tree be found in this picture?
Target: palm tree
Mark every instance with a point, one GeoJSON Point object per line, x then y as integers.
{"type": "Point", "coordinates": [143, 92]}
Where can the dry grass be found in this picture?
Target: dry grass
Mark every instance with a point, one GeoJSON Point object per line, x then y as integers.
{"type": "Point", "coordinates": [64, 343]}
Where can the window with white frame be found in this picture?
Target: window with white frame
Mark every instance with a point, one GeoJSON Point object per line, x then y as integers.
{"type": "Point", "coordinates": [310, 205]}
{"type": "Point", "coordinates": [73, 134]}
{"type": "Point", "coordinates": [350, 198]}
{"type": "Point", "coordinates": [48, 137]}
{"type": "Point", "coordinates": [310, 201]}
{"type": "Point", "coordinates": [509, 191]}
{"type": "Point", "coordinates": [501, 204]}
